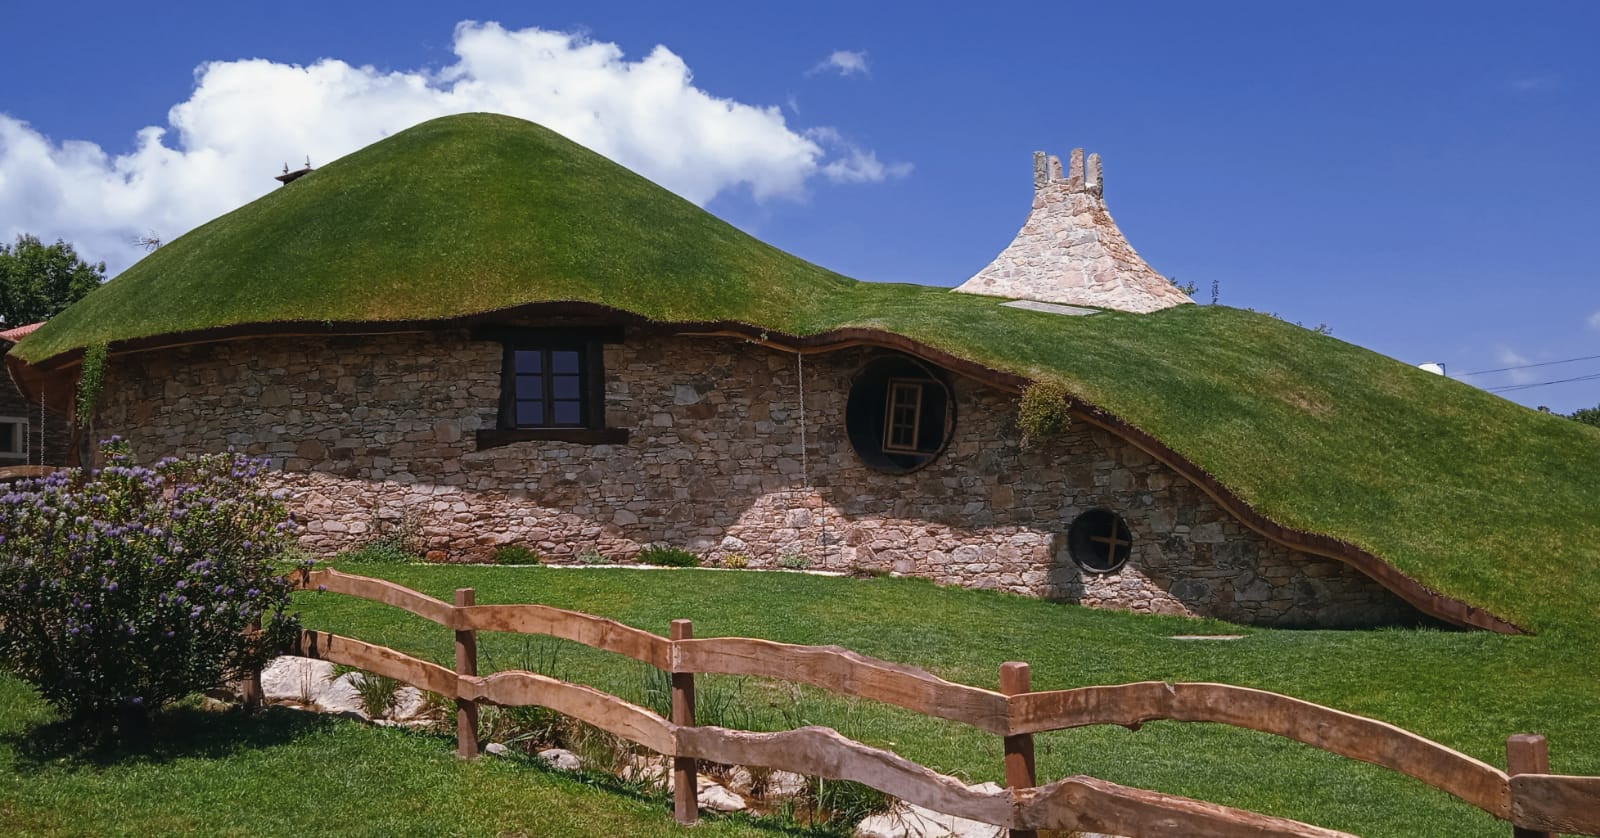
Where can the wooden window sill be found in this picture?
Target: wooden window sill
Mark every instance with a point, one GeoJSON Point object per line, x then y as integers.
{"type": "Point", "coordinates": [587, 436]}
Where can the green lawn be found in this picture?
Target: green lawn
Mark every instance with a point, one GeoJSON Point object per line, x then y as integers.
{"type": "Point", "coordinates": [1468, 690]}
{"type": "Point", "coordinates": [289, 773]}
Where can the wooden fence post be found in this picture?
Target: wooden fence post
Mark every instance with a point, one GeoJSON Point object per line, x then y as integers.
{"type": "Point", "coordinates": [1528, 753]}
{"type": "Point", "coordinates": [466, 664]}
{"type": "Point", "coordinates": [1016, 678]}
{"type": "Point", "coordinates": [685, 785]}
{"type": "Point", "coordinates": [252, 692]}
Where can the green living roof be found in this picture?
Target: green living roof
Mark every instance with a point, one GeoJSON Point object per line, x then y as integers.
{"type": "Point", "coordinates": [1471, 495]}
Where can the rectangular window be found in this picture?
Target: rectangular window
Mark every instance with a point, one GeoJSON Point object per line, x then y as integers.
{"type": "Point", "coordinates": [549, 387]}
{"type": "Point", "coordinates": [903, 416]}
{"type": "Point", "coordinates": [13, 438]}
{"type": "Point", "coordinates": [552, 385]}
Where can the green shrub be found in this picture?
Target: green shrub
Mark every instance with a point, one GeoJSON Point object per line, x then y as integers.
{"type": "Point", "coordinates": [517, 554]}
{"type": "Point", "coordinates": [395, 541]}
{"type": "Point", "coordinates": [736, 561]}
{"type": "Point", "coordinates": [793, 561]}
{"type": "Point", "coordinates": [377, 551]}
{"type": "Point", "coordinates": [592, 557]}
{"type": "Point", "coordinates": [846, 802]}
{"type": "Point", "coordinates": [125, 588]}
{"type": "Point", "coordinates": [1044, 411]}
{"type": "Point", "coordinates": [379, 694]}
{"type": "Point", "coordinates": [668, 557]}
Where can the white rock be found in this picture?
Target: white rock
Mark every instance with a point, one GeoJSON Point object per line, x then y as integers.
{"type": "Point", "coordinates": [408, 703]}
{"type": "Point", "coordinates": [496, 749]}
{"type": "Point", "coordinates": [561, 758]}
{"type": "Point", "coordinates": [785, 784]}
{"type": "Point", "coordinates": [719, 799]}
{"type": "Point", "coordinates": [645, 769]}
{"type": "Point", "coordinates": [307, 681]}
{"type": "Point", "coordinates": [294, 679]}
{"type": "Point", "coordinates": [905, 820]}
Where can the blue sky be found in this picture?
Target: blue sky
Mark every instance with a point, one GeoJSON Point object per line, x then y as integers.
{"type": "Point", "coordinates": [1421, 179]}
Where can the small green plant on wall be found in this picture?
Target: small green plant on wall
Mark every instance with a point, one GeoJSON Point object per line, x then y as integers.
{"type": "Point", "coordinates": [793, 561]}
{"type": "Point", "coordinates": [1044, 412]}
{"type": "Point", "coordinates": [90, 382]}
{"type": "Point", "coordinates": [668, 557]}
{"type": "Point", "coordinates": [515, 554]}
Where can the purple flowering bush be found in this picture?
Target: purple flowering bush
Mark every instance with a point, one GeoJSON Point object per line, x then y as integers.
{"type": "Point", "coordinates": [128, 587]}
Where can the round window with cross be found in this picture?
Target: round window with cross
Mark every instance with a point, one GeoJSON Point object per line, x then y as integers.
{"type": "Point", "coordinates": [1100, 541]}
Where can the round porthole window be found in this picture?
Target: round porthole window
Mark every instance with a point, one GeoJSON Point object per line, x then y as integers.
{"type": "Point", "coordinates": [899, 415]}
{"type": "Point", "coordinates": [1100, 541]}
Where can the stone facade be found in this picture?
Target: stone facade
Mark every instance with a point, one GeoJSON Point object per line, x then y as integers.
{"type": "Point", "coordinates": [1071, 251]}
{"type": "Point", "coordinates": [723, 458]}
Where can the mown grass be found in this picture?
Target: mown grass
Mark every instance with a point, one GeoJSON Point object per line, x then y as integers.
{"type": "Point", "coordinates": [1468, 690]}
{"type": "Point", "coordinates": [1472, 495]}
{"type": "Point", "coordinates": [290, 773]}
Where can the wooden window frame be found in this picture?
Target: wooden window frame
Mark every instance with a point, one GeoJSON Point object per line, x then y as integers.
{"type": "Point", "coordinates": [23, 426]}
{"type": "Point", "coordinates": [589, 384]}
{"type": "Point", "coordinates": [590, 346]}
{"type": "Point", "coordinates": [891, 403]}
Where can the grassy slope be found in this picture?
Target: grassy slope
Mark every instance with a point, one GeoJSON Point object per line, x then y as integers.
{"type": "Point", "coordinates": [1468, 690]}
{"type": "Point", "coordinates": [1472, 495]}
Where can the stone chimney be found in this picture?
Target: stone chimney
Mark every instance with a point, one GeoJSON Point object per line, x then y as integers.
{"type": "Point", "coordinates": [1070, 250]}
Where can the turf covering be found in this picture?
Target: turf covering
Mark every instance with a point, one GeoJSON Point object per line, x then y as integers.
{"type": "Point", "coordinates": [1474, 496]}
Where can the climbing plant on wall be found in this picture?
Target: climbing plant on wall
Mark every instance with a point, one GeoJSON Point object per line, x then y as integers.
{"type": "Point", "coordinates": [1044, 412]}
{"type": "Point", "coordinates": [90, 381]}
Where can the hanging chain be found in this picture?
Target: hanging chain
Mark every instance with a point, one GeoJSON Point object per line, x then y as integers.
{"type": "Point", "coordinates": [800, 371]}
{"type": "Point", "coordinates": [805, 461]}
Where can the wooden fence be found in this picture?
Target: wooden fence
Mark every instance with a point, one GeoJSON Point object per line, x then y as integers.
{"type": "Point", "coordinates": [1534, 801]}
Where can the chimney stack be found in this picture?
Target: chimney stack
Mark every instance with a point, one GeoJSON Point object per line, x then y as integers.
{"type": "Point", "coordinates": [1070, 250]}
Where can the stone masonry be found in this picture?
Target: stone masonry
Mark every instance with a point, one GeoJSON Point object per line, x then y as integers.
{"type": "Point", "coordinates": [371, 431]}
{"type": "Point", "coordinates": [1071, 251]}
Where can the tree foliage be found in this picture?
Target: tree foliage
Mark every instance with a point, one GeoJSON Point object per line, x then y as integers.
{"type": "Point", "coordinates": [38, 280]}
{"type": "Point", "coordinates": [1588, 416]}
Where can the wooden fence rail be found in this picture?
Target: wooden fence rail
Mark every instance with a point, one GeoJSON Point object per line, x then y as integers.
{"type": "Point", "coordinates": [1532, 799]}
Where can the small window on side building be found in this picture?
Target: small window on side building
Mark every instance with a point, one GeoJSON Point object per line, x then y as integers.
{"type": "Point", "coordinates": [13, 438]}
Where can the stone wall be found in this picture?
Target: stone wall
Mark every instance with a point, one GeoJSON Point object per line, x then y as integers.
{"type": "Point", "coordinates": [373, 430]}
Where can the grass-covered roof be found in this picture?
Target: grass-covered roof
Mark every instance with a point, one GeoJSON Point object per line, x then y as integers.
{"type": "Point", "coordinates": [1471, 495]}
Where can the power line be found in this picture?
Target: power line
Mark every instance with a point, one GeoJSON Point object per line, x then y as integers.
{"type": "Point", "coordinates": [1511, 387]}
{"type": "Point", "coordinates": [1528, 366]}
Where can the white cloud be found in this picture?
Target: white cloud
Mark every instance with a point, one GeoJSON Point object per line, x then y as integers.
{"type": "Point", "coordinates": [1511, 358]}
{"type": "Point", "coordinates": [245, 119]}
{"type": "Point", "coordinates": [842, 61]}
{"type": "Point", "coordinates": [1594, 321]}
{"type": "Point", "coordinates": [851, 163]}
{"type": "Point", "coordinates": [1533, 83]}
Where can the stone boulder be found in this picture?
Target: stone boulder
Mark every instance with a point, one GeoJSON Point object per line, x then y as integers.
{"type": "Point", "coordinates": [905, 820]}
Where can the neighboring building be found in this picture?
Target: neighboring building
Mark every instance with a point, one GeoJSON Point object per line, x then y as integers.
{"type": "Point", "coordinates": [29, 434]}
{"type": "Point", "coordinates": [593, 378]}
